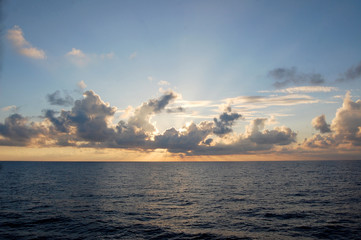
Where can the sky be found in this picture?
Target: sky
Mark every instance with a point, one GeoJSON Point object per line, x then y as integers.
{"type": "Point", "coordinates": [180, 80]}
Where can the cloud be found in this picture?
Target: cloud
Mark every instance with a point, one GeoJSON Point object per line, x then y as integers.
{"type": "Point", "coordinates": [77, 57]}
{"type": "Point", "coordinates": [82, 84]}
{"type": "Point", "coordinates": [303, 89]}
{"type": "Point", "coordinates": [81, 59]}
{"type": "Point", "coordinates": [163, 83]}
{"type": "Point", "coordinates": [320, 141]}
{"type": "Point", "coordinates": [345, 129]}
{"type": "Point", "coordinates": [255, 139]}
{"type": "Point", "coordinates": [11, 108]}
{"type": "Point", "coordinates": [58, 122]}
{"type": "Point", "coordinates": [347, 122]}
{"type": "Point", "coordinates": [76, 53]}
{"type": "Point", "coordinates": [184, 141]}
{"type": "Point", "coordinates": [255, 102]}
{"type": "Point", "coordinates": [142, 114]}
{"type": "Point", "coordinates": [89, 119]}
{"type": "Point", "coordinates": [225, 122]}
{"type": "Point", "coordinates": [286, 76]}
{"type": "Point", "coordinates": [22, 46]}
{"type": "Point", "coordinates": [352, 73]}
{"type": "Point", "coordinates": [89, 123]}
{"type": "Point", "coordinates": [133, 55]}
{"type": "Point", "coordinates": [277, 136]}
{"type": "Point", "coordinates": [175, 110]}
{"type": "Point", "coordinates": [16, 132]}
{"type": "Point", "coordinates": [56, 99]}
{"type": "Point", "coordinates": [319, 123]}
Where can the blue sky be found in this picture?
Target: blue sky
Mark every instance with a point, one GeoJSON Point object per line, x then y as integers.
{"type": "Point", "coordinates": [219, 53]}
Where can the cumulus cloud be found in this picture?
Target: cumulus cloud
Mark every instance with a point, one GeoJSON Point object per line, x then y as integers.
{"type": "Point", "coordinates": [320, 141]}
{"type": "Point", "coordinates": [142, 114]}
{"type": "Point", "coordinates": [22, 46]}
{"type": "Point", "coordinates": [89, 123]}
{"type": "Point", "coordinates": [347, 122]}
{"type": "Point", "coordinates": [286, 76]}
{"type": "Point", "coordinates": [89, 117]}
{"type": "Point", "coordinates": [16, 131]}
{"type": "Point", "coordinates": [255, 139]}
{"type": "Point", "coordinates": [277, 136]}
{"type": "Point", "coordinates": [352, 73]}
{"type": "Point", "coordinates": [345, 129]}
{"type": "Point", "coordinates": [319, 123]}
{"type": "Point", "coordinates": [56, 99]}
{"type": "Point", "coordinates": [224, 123]}
{"type": "Point", "coordinates": [185, 141]}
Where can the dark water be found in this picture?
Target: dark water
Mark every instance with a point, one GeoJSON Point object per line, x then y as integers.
{"type": "Point", "coordinates": [221, 200]}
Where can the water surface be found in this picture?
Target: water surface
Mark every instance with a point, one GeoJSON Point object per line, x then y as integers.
{"type": "Point", "coordinates": [187, 200]}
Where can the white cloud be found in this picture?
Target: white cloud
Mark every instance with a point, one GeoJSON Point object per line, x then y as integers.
{"type": "Point", "coordinates": [81, 59]}
{"type": "Point", "coordinates": [11, 108]}
{"type": "Point", "coordinates": [81, 84]}
{"type": "Point", "coordinates": [303, 89]}
{"type": "Point", "coordinates": [346, 127]}
{"type": "Point", "coordinates": [77, 57]}
{"type": "Point", "coordinates": [23, 47]}
{"type": "Point", "coordinates": [163, 83]}
{"type": "Point", "coordinates": [254, 102]}
{"type": "Point", "coordinates": [76, 52]}
{"type": "Point", "coordinates": [150, 78]}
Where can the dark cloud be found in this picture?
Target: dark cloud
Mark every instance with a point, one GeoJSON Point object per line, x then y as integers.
{"type": "Point", "coordinates": [175, 110]}
{"type": "Point", "coordinates": [254, 140]}
{"type": "Point", "coordinates": [352, 73]}
{"type": "Point", "coordinates": [320, 141]}
{"type": "Point", "coordinates": [319, 123]}
{"type": "Point", "coordinates": [58, 122]}
{"type": "Point", "coordinates": [17, 132]}
{"type": "Point", "coordinates": [287, 76]}
{"type": "Point", "coordinates": [88, 117]}
{"type": "Point", "coordinates": [225, 122]}
{"type": "Point", "coordinates": [277, 136]}
{"type": "Point", "coordinates": [185, 141]}
{"type": "Point", "coordinates": [128, 136]}
{"type": "Point", "coordinates": [56, 99]}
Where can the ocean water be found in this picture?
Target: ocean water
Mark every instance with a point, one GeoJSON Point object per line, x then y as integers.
{"type": "Point", "coordinates": [185, 200]}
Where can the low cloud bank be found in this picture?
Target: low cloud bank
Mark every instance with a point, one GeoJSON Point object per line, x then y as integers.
{"type": "Point", "coordinates": [89, 124]}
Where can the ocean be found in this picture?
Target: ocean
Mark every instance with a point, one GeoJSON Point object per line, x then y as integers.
{"type": "Point", "coordinates": [180, 200]}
